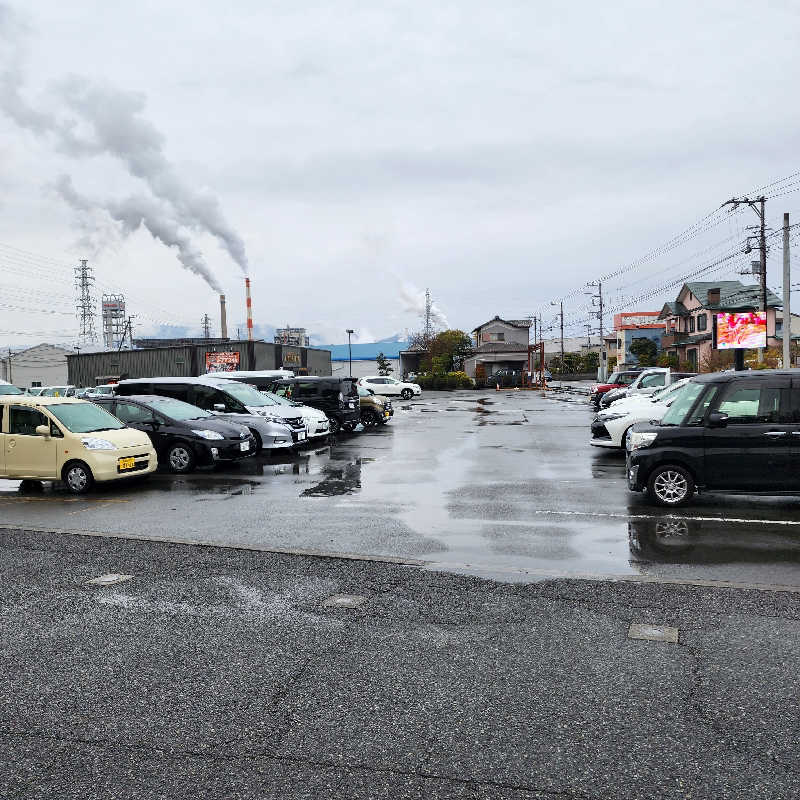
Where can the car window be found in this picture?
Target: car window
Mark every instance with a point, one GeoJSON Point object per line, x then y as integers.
{"type": "Point", "coordinates": [747, 404]}
{"type": "Point", "coordinates": [305, 389]}
{"type": "Point", "coordinates": [376, 380]}
{"type": "Point", "coordinates": [627, 380]}
{"type": "Point", "coordinates": [23, 421]}
{"type": "Point", "coordinates": [175, 390]}
{"type": "Point", "coordinates": [683, 404]}
{"type": "Point", "coordinates": [656, 379]}
{"type": "Point", "coordinates": [128, 412]}
{"type": "Point", "coordinates": [206, 397]}
{"type": "Point", "coordinates": [177, 410]}
{"type": "Point", "coordinates": [84, 417]}
{"type": "Point", "coordinates": [283, 391]}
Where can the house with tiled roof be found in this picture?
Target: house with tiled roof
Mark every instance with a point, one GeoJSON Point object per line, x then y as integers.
{"type": "Point", "coordinates": [689, 319]}
{"type": "Point", "coordinates": [499, 344]}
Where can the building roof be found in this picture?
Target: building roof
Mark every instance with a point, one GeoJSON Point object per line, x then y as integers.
{"type": "Point", "coordinates": [514, 323]}
{"type": "Point", "coordinates": [732, 295]}
{"type": "Point", "coordinates": [673, 308]}
{"type": "Point", "coordinates": [501, 347]}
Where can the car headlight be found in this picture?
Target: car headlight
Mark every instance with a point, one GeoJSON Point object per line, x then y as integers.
{"type": "Point", "coordinates": [204, 434]}
{"type": "Point", "coordinates": [639, 439]}
{"type": "Point", "coordinates": [95, 443]}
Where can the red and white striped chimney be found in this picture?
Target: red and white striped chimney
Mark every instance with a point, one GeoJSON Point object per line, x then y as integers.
{"type": "Point", "coordinates": [249, 310]}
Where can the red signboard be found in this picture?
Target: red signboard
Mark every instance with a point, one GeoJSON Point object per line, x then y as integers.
{"type": "Point", "coordinates": [226, 361]}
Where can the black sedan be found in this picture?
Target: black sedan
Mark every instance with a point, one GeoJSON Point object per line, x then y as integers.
{"type": "Point", "coordinates": [184, 435]}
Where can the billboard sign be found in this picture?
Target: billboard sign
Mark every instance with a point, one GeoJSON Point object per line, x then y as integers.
{"type": "Point", "coordinates": [746, 330]}
{"type": "Point", "coordinates": [226, 361]}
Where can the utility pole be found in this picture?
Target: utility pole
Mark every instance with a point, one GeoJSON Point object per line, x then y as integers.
{"type": "Point", "coordinates": [562, 334]}
{"type": "Point", "coordinates": [350, 332]}
{"type": "Point", "coordinates": [206, 323]}
{"type": "Point", "coordinates": [85, 305]}
{"type": "Point", "coordinates": [787, 296]}
{"type": "Point", "coordinates": [8, 371]}
{"type": "Point", "coordinates": [599, 314]}
{"type": "Point", "coordinates": [589, 335]}
{"type": "Point", "coordinates": [758, 205]}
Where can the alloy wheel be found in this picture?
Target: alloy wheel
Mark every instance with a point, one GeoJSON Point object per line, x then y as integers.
{"type": "Point", "coordinates": [77, 478]}
{"type": "Point", "coordinates": [670, 487]}
{"type": "Point", "coordinates": [179, 459]}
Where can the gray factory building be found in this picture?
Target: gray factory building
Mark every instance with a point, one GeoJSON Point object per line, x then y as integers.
{"type": "Point", "coordinates": [191, 358]}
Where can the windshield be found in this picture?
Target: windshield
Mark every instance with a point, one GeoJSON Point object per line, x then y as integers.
{"type": "Point", "coordinates": [248, 395]}
{"type": "Point", "coordinates": [177, 409]}
{"type": "Point", "coordinates": [665, 392]}
{"type": "Point", "coordinates": [10, 390]}
{"type": "Point", "coordinates": [281, 401]}
{"type": "Point", "coordinates": [683, 403]}
{"type": "Point", "coordinates": [84, 417]}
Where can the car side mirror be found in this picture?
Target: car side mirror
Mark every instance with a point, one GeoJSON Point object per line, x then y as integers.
{"type": "Point", "coordinates": [219, 407]}
{"type": "Point", "coordinates": [43, 430]}
{"type": "Point", "coordinates": [716, 419]}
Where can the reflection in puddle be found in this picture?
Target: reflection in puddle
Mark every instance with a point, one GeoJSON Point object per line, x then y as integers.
{"type": "Point", "coordinates": [675, 540]}
{"type": "Point", "coordinates": [338, 480]}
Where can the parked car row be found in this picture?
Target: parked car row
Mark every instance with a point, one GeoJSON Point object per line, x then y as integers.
{"type": "Point", "coordinates": [181, 423]}
{"type": "Point", "coordinates": [729, 432]}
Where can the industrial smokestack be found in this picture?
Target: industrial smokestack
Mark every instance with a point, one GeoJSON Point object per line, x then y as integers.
{"type": "Point", "coordinates": [249, 310]}
{"type": "Point", "coordinates": [223, 318]}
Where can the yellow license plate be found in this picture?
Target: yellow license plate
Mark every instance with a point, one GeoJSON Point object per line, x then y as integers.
{"type": "Point", "coordinates": [127, 463]}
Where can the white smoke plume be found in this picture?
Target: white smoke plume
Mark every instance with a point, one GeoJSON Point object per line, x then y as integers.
{"type": "Point", "coordinates": [137, 212]}
{"type": "Point", "coordinates": [97, 120]}
{"type": "Point", "coordinates": [413, 300]}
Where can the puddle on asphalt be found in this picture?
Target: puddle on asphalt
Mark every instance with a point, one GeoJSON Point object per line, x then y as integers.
{"type": "Point", "coordinates": [337, 481]}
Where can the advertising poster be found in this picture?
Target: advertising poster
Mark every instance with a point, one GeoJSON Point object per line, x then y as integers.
{"type": "Point", "coordinates": [746, 330]}
{"type": "Point", "coordinates": [226, 361]}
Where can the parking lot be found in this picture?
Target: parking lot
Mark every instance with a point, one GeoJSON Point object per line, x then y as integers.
{"type": "Point", "coordinates": [496, 484]}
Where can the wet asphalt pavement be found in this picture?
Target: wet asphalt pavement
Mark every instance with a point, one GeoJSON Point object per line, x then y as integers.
{"type": "Point", "coordinates": [501, 485]}
{"type": "Point", "coordinates": [220, 673]}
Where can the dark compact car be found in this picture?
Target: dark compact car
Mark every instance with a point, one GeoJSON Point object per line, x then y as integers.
{"type": "Point", "coordinates": [337, 397]}
{"type": "Point", "coordinates": [725, 432]}
{"type": "Point", "coordinates": [183, 435]}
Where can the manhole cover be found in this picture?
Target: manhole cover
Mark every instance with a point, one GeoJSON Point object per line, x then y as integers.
{"type": "Point", "coordinates": [108, 579]}
{"type": "Point", "coordinates": [653, 633]}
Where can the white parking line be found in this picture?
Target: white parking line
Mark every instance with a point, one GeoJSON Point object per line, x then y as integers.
{"type": "Point", "coordinates": [611, 515]}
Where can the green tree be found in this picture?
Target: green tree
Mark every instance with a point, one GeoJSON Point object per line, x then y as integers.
{"type": "Point", "coordinates": [645, 350]}
{"type": "Point", "coordinates": [449, 349]}
{"type": "Point", "coordinates": [384, 367]}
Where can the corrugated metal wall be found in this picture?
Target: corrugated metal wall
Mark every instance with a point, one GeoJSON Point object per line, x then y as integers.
{"type": "Point", "coordinates": [89, 369]}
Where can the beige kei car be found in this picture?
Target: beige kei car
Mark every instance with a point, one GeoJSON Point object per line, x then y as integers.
{"type": "Point", "coordinates": [75, 441]}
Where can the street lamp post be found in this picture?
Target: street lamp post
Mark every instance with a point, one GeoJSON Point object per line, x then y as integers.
{"type": "Point", "coordinates": [350, 332]}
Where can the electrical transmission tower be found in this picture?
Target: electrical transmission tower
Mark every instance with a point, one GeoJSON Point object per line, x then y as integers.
{"type": "Point", "coordinates": [428, 316]}
{"type": "Point", "coordinates": [85, 305]}
{"type": "Point", "coordinates": [206, 323]}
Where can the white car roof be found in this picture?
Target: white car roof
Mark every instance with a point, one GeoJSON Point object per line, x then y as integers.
{"type": "Point", "coordinates": [201, 381]}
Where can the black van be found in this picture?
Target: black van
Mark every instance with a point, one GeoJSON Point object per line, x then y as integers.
{"type": "Point", "coordinates": [337, 397]}
{"type": "Point", "coordinates": [725, 432]}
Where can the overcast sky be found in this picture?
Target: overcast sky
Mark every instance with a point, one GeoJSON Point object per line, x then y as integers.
{"type": "Point", "coordinates": [499, 153]}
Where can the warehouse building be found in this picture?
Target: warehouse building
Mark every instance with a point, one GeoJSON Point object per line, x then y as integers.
{"type": "Point", "coordinates": [41, 365]}
{"type": "Point", "coordinates": [190, 358]}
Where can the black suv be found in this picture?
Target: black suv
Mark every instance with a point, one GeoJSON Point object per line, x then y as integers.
{"type": "Point", "coordinates": [183, 435]}
{"type": "Point", "coordinates": [725, 432]}
{"type": "Point", "coordinates": [337, 397]}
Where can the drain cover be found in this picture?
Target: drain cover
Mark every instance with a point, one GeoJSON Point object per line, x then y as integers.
{"type": "Point", "coordinates": [344, 601]}
{"type": "Point", "coordinates": [653, 633]}
{"type": "Point", "coordinates": [108, 579]}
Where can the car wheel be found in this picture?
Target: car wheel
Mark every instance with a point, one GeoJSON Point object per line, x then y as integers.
{"type": "Point", "coordinates": [349, 426]}
{"type": "Point", "coordinates": [367, 418]}
{"type": "Point", "coordinates": [670, 485]}
{"type": "Point", "coordinates": [78, 477]}
{"type": "Point", "coordinates": [335, 425]}
{"type": "Point", "coordinates": [406, 394]}
{"type": "Point", "coordinates": [180, 458]}
{"type": "Point", "coordinates": [256, 442]}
